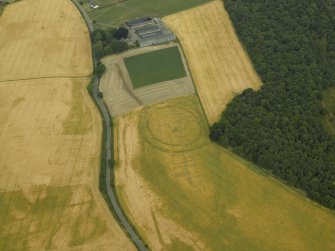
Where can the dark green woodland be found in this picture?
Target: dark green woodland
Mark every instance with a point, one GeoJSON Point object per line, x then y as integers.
{"type": "Point", "coordinates": [280, 128]}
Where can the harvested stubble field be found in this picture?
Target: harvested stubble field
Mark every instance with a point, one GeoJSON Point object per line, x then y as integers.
{"type": "Point", "coordinates": [219, 65]}
{"type": "Point", "coordinates": [50, 138]}
{"type": "Point", "coordinates": [184, 192]}
{"type": "Point", "coordinates": [54, 38]}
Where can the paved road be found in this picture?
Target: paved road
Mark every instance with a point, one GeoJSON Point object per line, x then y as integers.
{"type": "Point", "coordinates": [110, 191]}
{"type": "Point", "coordinates": [85, 16]}
{"type": "Point", "coordinates": [107, 123]}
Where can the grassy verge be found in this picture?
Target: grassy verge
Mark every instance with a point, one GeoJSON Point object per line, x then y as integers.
{"type": "Point", "coordinates": [102, 173]}
{"type": "Point", "coordinates": [193, 82]}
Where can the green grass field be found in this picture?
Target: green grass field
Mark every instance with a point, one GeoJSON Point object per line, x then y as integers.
{"type": "Point", "coordinates": [154, 67]}
{"type": "Point", "coordinates": [116, 14]}
{"type": "Point", "coordinates": [228, 203]}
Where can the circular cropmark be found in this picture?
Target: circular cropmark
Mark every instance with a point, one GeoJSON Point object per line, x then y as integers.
{"type": "Point", "coordinates": [173, 128]}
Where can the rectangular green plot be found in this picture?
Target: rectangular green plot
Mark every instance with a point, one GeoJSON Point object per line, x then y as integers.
{"type": "Point", "coordinates": [111, 13]}
{"type": "Point", "coordinates": [154, 67]}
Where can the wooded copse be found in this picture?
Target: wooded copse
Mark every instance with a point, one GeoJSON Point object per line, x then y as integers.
{"type": "Point", "coordinates": [107, 41]}
{"type": "Point", "coordinates": [292, 46]}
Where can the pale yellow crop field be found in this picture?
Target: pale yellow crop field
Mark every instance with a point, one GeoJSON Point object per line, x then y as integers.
{"type": "Point", "coordinates": [43, 38]}
{"type": "Point", "coordinates": [50, 138]}
{"type": "Point", "coordinates": [185, 193]}
{"type": "Point", "coordinates": [219, 65]}
{"type": "Point", "coordinates": [49, 165]}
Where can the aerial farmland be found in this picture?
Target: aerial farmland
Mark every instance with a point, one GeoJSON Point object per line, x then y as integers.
{"type": "Point", "coordinates": [219, 65]}
{"type": "Point", "coordinates": [125, 87]}
{"type": "Point", "coordinates": [117, 127]}
{"type": "Point", "coordinates": [50, 134]}
{"type": "Point", "coordinates": [198, 196]}
{"type": "Point", "coordinates": [180, 190]}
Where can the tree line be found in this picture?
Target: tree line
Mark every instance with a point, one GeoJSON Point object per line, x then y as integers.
{"type": "Point", "coordinates": [292, 46]}
{"type": "Point", "coordinates": [108, 41]}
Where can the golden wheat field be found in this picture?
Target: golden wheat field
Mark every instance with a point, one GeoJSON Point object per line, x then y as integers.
{"type": "Point", "coordinates": [43, 38]}
{"type": "Point", "coordinates": [218, 63]}
{"type": "Point", "coordinates": [50, 138]}
{"type": "Point", "coordinates": [185, 193]}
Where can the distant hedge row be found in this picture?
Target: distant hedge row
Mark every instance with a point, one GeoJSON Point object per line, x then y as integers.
{"type": "Point", "coordinates": [292, 46]}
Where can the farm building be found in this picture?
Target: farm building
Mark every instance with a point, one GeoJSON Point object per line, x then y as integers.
{"type": "Point", "coordinates": [139, 22]}
{"type": "Point", "coordinates": [149, 31]}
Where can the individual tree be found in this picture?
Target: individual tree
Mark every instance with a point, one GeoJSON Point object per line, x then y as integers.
{"type": "Point", "coordinates": [99, 69]}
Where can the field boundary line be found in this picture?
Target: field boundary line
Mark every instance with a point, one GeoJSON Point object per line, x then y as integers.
{"type": "Point", "coordinates": [47, 77]}
{"type": "Point", "coordinates": [193, 82]}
